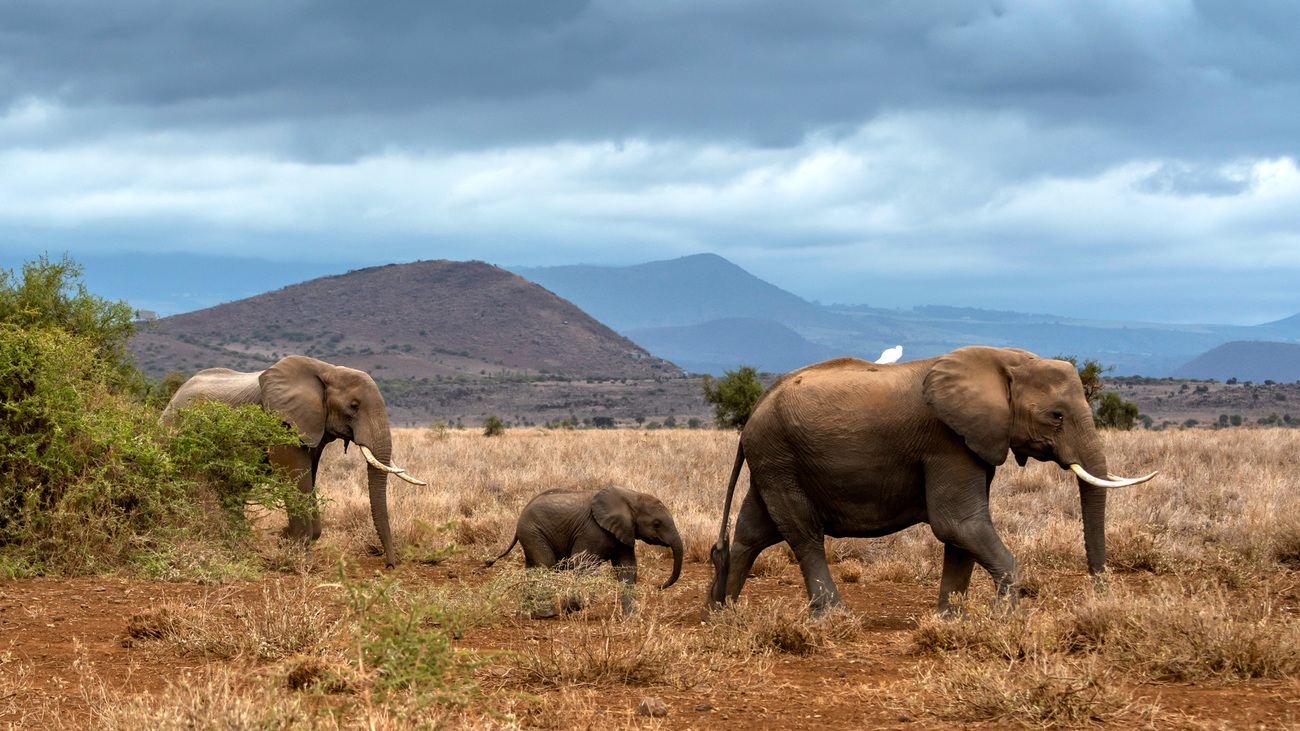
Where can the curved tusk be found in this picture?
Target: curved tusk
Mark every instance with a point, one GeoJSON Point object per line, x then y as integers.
{"type": "Point", "coordinates": [370, 457]}
{"type": "Point", "coordinates": [412, 480]}
{"type": "Point", "coordinates": [374, 462]}
{"type": "Point", "coordinates": [1112, 483]}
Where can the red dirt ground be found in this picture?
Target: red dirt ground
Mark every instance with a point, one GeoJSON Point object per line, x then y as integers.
{"type": "Point", "coordinates": [70, 629]}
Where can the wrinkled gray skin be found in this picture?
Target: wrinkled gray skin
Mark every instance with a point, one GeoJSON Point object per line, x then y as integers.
{"type": "Point", "coordinates": [560, 524]}
{"type": "Point", "coordinates": [851, 448]}
{"type": "Point", "coordinates": [323, 402]}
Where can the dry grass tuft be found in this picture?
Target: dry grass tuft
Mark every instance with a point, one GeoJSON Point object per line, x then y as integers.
{"type": "Point", "coordinates": [1044, 692]}
{"type": "Point", "coordinates": [608, 652]}
{"type": "Point", "coordinates": [285, 622]}
{"type": "Point", "coordinates": [745, 629]}
{"type": "Point", "coordinates": [314, 673]}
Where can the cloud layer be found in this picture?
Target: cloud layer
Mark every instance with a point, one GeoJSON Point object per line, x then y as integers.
{"type": "Point", "coordinates": [1122, 159]}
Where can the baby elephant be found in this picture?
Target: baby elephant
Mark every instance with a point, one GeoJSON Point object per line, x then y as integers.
{"type": "Point", "coordinates": [559, 524]}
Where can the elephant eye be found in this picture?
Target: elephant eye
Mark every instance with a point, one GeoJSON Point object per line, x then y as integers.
{"type": "Point", "coordinates": [1058, 416]}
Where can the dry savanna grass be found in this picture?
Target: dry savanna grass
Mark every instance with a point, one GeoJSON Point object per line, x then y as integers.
{"type": "Point", "coordinates": [1202, 591]}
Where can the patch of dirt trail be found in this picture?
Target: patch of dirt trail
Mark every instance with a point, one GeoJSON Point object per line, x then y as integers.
{"type": "Point", "coordinates": [65, 634]}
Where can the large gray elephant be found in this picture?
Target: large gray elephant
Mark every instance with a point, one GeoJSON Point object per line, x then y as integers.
{"type": "Point", "coordinates": [851, 448]}
{"type": "Point", "coordinates": [606, 525]}
{"type": "Point", "coordinates": [323, 402]}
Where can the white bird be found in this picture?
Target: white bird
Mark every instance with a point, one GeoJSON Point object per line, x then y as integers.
{"type": "Point", "coordinates": [891, 355]}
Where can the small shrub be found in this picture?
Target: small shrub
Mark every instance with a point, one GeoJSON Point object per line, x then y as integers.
{"type": "Point", "coordinates": [493, 427]}
{"type": "Point", "coordinates": [1114, 412]}
{"type": "Point", "coordinates": [733, 396]}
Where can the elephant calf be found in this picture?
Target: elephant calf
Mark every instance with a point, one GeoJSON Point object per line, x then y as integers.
{"type": "Point", "coordinates": [560, 524]}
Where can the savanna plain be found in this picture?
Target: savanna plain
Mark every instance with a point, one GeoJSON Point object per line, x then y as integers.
{"type": "Point", "coordinates": [1196, 627]}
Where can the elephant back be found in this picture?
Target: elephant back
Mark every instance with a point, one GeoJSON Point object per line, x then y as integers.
{"type": "Point", "coordinates": [218, 384]}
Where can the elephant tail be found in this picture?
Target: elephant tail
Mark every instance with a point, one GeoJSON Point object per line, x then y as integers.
{"type": "Point", "coordinates": [489, 562]}
{"type": "Point", "coordinates": [720, 555]}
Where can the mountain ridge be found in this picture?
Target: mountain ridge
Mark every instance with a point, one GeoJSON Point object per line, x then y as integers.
{"type": "Point", "coordinates": [425, 319]}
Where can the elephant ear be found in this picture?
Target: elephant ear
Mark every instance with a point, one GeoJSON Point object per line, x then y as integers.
{"type": "Point", "coordinates": [295, 388]}
{"type": "Point", "coordinates": [613, 512]}
{"type": "Point", "coordinates": [969, 389]}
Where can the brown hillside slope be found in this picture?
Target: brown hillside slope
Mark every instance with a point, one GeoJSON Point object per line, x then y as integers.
{"type": "Point", "coordinates": [417, 320]}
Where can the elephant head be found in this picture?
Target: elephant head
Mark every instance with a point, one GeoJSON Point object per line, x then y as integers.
{"type": "Point", "coordinates": [632, 515]}
{"type": "Point", "coordinates": [1003, 399]}
{"type": "Point", "coordinates": [326, 402]}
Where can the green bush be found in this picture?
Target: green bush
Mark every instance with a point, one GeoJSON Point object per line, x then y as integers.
{"type": "Point", "coordinates": [1114, 412]}
{"type": "Point", "coordinates": [50, 295]}
{"type": "Point", "coordinates": [492, 426]}
{"type": "Point", "coordinates": [733, 396]}
{"type": "Point", "coordinates": [89, 481]}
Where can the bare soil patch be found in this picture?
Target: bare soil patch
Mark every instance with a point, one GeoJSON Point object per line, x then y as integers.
{"type": "Point", "coordinates": [70, 638]}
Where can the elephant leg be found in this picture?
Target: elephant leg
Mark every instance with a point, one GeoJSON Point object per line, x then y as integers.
{"type": "Point", "coordinates": [970, 528]}
{"type": "Point", "coordinates": [315, 521]}
{"type": "Point", "coordinates": [538, 602]}
{"type": "Point", "coordinates": [755, 531]}
{"type": "Point", "coordinates": [297, 463]}
{"type": "Point", "coordinates": [957, 566]}
{"type": "Point", "coordinates": [800, 525]}
{"type": "Point", "coordinates": [625, 569]}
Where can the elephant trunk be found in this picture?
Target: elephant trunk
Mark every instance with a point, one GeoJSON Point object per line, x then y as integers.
{"type": "Point", "coordinates": [674, 542]}
{"type": "Point", "coordinates": [377, 482]}
{"type": "Point", "coordinates": [1092, 501]}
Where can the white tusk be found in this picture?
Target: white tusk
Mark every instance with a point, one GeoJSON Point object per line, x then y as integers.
{"type": "Point", "coordinates": [370, 457]}
{"type": "Point", "coordinates": [1113, 482]}
{"type": "Point", "coordinates": [412, 480]}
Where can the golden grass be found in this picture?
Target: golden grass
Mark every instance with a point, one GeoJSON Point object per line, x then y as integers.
{"type": "Point", "coordinates": [1226, 501]}
{"type": "Point", "coordinates": [1216, 534]}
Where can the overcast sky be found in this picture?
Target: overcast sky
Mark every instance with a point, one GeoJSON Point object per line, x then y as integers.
{"type": "Point", "coordinates": [1125, 158]}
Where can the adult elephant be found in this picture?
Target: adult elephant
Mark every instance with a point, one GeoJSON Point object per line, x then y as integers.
{"type": "Point", "coordinates": [851, 448]}
{"type": "Point", "coordinates": [323, 402]}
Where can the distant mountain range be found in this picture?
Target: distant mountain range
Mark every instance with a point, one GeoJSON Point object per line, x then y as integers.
{"type": "Point", "coordinates": [708, 314]}
{"type": "Point", "coordinates": [433, 319]}
{"type": "Point", "coordinates": [1246, 361]}
{"type": "Point", "coordinates": [427, 319]}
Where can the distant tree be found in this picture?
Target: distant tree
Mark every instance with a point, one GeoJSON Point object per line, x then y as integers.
{"type": "Point", "coordinates": [1190, 423]}
{"type": "Point", "coordinates": [1236, 419]}
{"type": "Point", "coordinates": [1090, 373]}
{"type": "Point", "coordinates": [1231, 381]}
{"type": "Point", "coordinates": [602, 422]}
{"type": "Point", "coordinates": [492, 426]}
{"type": "Point", "coordinates": [1146, 420]}
{"type": "Point", "coordinates": [1115, 413]}
{"type": "Point", "coordinates": [1223, 420]}
{"type": "Point", "coordinates": [640, 419]}
{"type": "Point", "coordinates": [733, 396]}
{"type": "Point", "coordinates": [694, 423]}
{"type": "Point", "coordinates": [653, 425]}
{"type": "Point", "coordinates": [670, 422]}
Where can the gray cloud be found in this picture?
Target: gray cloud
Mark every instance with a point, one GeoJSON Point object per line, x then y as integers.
{"type": "Point", "coordinates": [943, 151]}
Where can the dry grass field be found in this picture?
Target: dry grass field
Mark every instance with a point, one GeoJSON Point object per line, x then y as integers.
{"type": "Point", "coordinates": [1196, 628]}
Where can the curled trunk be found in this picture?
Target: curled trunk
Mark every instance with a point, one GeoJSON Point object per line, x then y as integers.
{"type": "Point", "coordinates": [675, 543]}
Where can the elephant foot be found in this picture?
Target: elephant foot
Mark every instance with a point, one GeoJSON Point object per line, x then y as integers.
{"type": "Point", "coordinates": [571, 604]}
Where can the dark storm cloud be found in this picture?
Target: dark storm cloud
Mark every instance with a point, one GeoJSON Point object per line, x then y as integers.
{"type": "Point", "coordinates": [975, 153]}
{"type": "Point", "coordinates": [1185, 79]}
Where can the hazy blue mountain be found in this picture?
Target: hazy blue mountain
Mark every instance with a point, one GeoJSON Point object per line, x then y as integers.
{"type": "Point", "coordinates": [719, 345]}
{"type": "Point", "coordinates": [1245, 361]}
{"type": "Point", "coordinates": [686, 291]}
{"type": "Point", "coordinates": [656, 305]}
